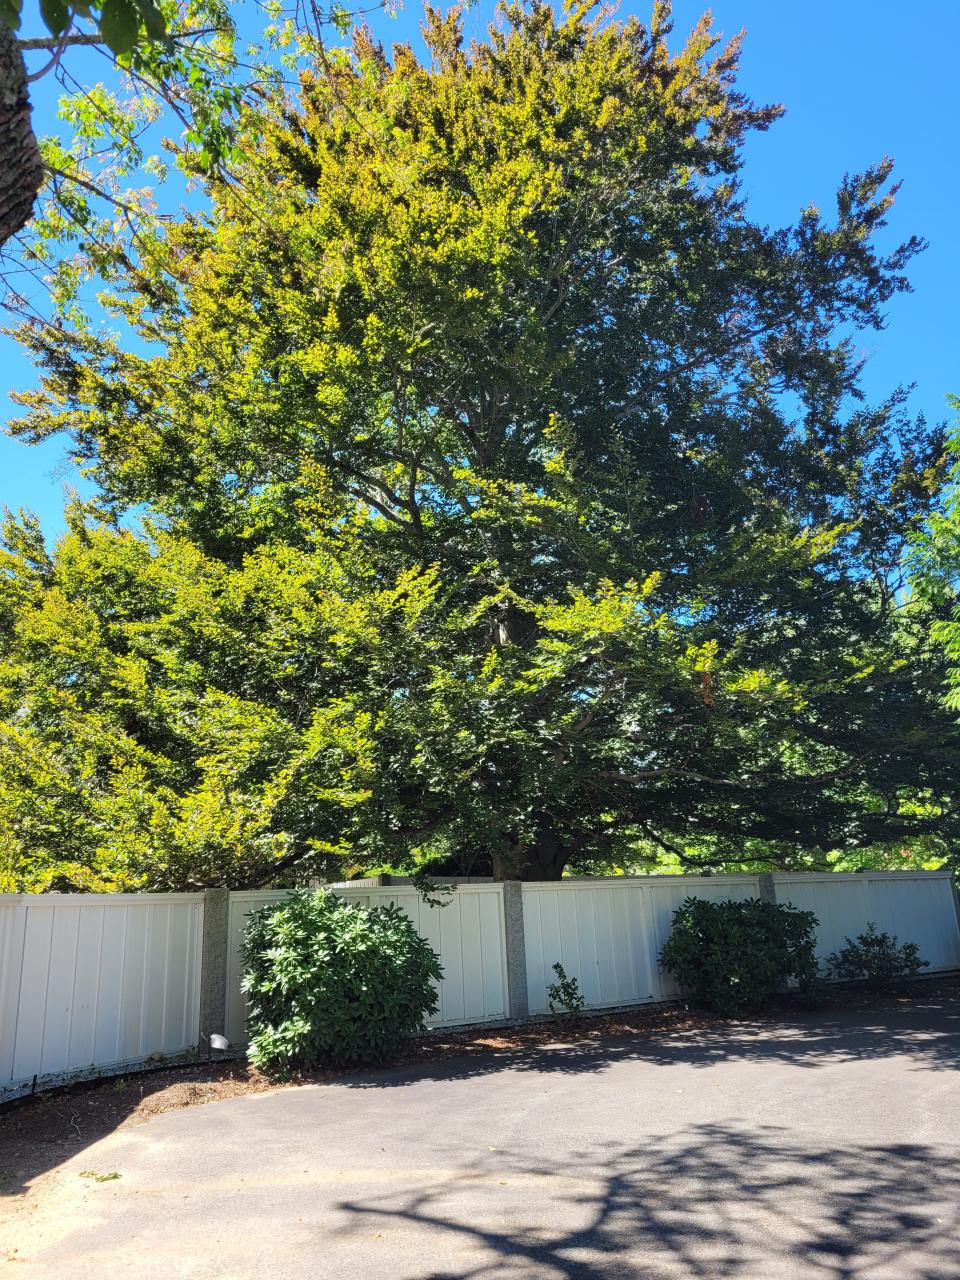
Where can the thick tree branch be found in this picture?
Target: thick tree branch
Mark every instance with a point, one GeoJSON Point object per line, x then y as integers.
{"type": "Point", "coordinates": [60, 42]}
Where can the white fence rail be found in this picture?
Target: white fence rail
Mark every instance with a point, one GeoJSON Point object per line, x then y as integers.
{"type": "Point", "coordinates": [92, 982]}
{"type": "Point", "coordinates": [467, 933]}
{"type": "Point", "coordinates": [98, 983]}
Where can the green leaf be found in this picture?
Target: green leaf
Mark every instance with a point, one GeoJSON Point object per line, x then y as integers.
{"type": "Point", "coordinates": [341, 18]}
{"type": "Point", "coordinates": [120, 25]}
{"type": "Point", "coordinates": [153, 19]}
{"type": "Point", "coordinates": [55, 16]}
{"type": "Point", "coordinates": [10, 13]}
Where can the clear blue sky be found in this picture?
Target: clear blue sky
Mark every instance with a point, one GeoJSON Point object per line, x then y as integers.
{"type": "Point", "coordinates": [860, 79]}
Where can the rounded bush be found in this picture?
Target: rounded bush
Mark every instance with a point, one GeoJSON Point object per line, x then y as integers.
{"type": "Point", "coordinates": [876, 959]}
{"type": "Point", "coordinates": [733, 957]}
{"type": "Point", "coordinates": [333, 983]}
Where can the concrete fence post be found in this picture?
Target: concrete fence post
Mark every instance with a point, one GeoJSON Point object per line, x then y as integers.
{"type": "Point", "coordinates": [213, 967]}
{"type": "Point", "coordinates": [768, 887]}
{"type": "Point", "coordinates": [518, 1003]}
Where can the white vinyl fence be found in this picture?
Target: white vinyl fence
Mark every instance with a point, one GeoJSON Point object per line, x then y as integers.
{"type": "Point", "coordinates": [607, 933]}
{"type": "Point", "coordinates": [917, 906]}
{"type": "Point", "coordinates": [467, 934]}
{"type": "Point", "coordinates": [95, 981]}
{"type": "Point", "coordinates": [98, 983]}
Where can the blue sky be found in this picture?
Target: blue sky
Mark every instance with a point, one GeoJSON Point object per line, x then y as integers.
{"type": "Point", "coordinates": [860, 79]}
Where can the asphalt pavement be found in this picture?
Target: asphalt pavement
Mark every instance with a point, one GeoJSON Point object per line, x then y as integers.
{"type": "Point", "coordinates": [827, 1149]}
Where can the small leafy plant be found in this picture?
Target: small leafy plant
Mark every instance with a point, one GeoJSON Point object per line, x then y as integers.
{"type": "Point", "coordinates": [564, 995]}
{"type": "Point", "coordinates": [734, 956]}
{"type": "Point", "coordinates": [333, 983]}
{"type": "Point", "coordinates": [876, 959]}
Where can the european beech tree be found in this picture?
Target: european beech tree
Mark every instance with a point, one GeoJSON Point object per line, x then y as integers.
{"type": "Point", "coordinates": [514, 502]}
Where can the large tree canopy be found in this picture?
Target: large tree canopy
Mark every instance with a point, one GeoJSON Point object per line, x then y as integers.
{"type": "Point", "coordinates": [609, 542]}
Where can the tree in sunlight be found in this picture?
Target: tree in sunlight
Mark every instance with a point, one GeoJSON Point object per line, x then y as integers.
{"type": "Point", "coordinates": [514, 502]}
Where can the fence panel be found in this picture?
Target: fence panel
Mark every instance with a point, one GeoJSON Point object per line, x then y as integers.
{"type": "Point", "coordinates": [607, 933]}
{"type": "Point", "coordinates": [92, 982]}
{"type": "Point", "coordinates": [13, 921]}
{"type": "Point", "coordinates": [600, 933]}
{"type": "Point", "coordinates": [916, 906]}
{"type": "Point", "coordinates": [102, 982]}
{"type": "Point", "coordinates": [467, 932]}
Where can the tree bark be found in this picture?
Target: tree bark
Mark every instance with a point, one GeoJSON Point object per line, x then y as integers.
{"type": "Point", "coordinates": [21, 168]}
{"type": "Point", "coordinates": [544, 859]}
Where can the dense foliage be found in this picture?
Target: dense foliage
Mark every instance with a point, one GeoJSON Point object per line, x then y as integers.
{"type": "Point", "coordinates": [734, 957]}
{"type": "Point", "coordinates": [174, 721]}
{"type": "Point", "coordinates": [514, 504]}
{"type": "Point", "coordinates": [876, 959]}
{"type": "Point", "coordinates": [332, 982]}
{"type": "Point", "coordinates": [935, 565]}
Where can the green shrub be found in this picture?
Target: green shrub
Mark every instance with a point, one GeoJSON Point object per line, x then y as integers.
{"type": "Point", "coordinates": [876, 959]}
{"type": "Point", "coordinates": [564, 995]}
{"type": "Point", "coordinates": [333, 983]}
{"type": "Point", "coordinates": [733, 957]}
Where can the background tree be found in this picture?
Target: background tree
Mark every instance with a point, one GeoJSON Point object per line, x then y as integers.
{"type": "Point", "coordinates": [934, 562]}
{"type": "Point", "coordinates": [176, 73]}
{"type": "Point", "coordinates": [507, 313]}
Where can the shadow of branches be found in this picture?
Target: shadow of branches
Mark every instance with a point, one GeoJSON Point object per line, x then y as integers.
{"type": "Point", "coordinates": [927, 1033]}
{"type": "Point", "coordinates": [709, 1202]}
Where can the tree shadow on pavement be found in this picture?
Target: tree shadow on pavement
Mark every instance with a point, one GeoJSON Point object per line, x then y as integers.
{"type": "Point", "coordinates": [927, 1033]}
{"type": "Point", "coordinates": [711, 1202]}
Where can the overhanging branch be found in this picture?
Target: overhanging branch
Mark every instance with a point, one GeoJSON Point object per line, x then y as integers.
{"type": "Point", "coordinates": [60, 42]}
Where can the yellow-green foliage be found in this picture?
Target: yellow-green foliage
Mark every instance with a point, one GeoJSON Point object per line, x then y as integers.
{"type": "Point", "coordinates": [511, 505]}
{"type": "Point", "coordinates": [157, 728]}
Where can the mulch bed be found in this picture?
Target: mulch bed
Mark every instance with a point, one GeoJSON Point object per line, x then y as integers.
{"type": "Point", "coordinates": [40, 1131]}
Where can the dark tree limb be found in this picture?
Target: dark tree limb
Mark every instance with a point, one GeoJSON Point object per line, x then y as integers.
{"type": "Point", "coordinates": [21, 166]}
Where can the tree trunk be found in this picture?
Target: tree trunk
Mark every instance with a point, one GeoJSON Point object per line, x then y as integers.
{"type": "Point", "coordinates": [21, 168]}
{"type": "Point", "coordinates": [545, 859]}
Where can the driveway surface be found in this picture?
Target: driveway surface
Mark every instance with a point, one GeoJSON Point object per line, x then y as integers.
{"type": "Point", "coordinates": [827, 1148]}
